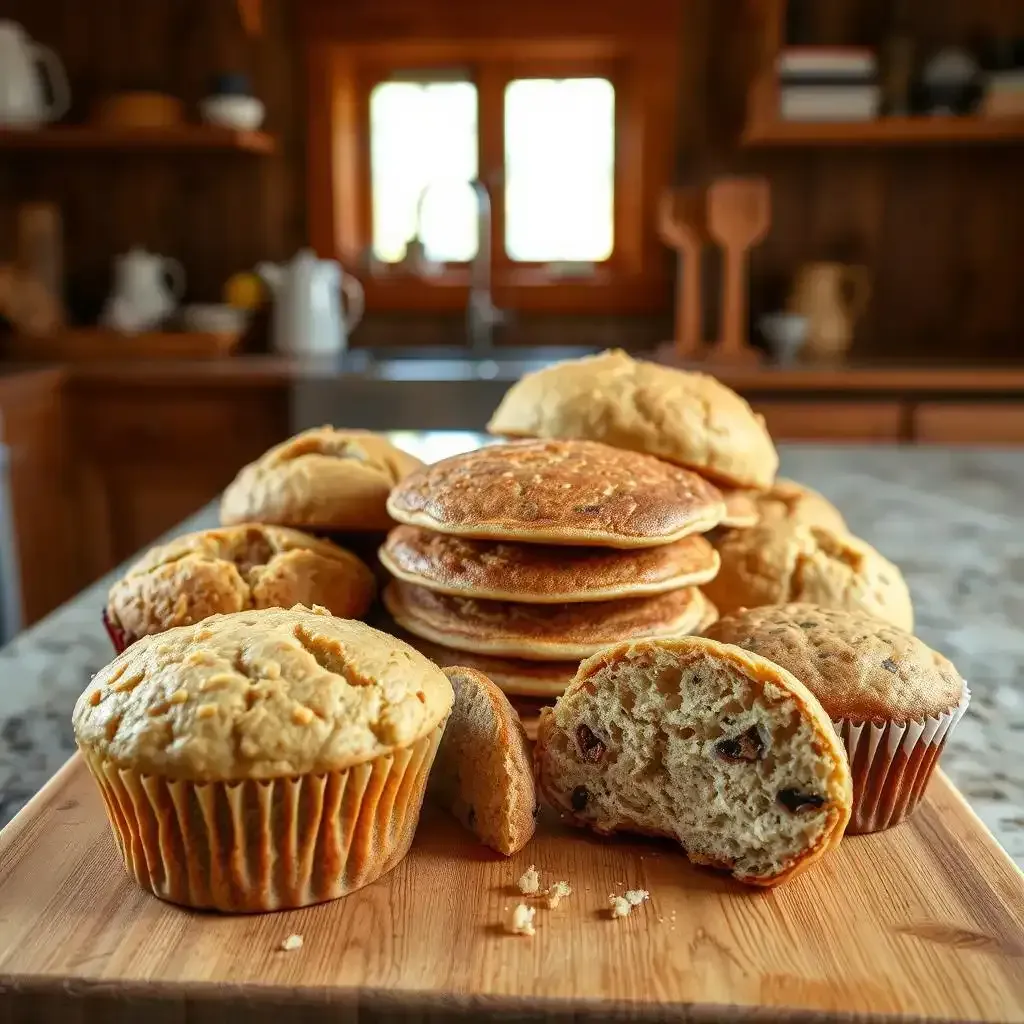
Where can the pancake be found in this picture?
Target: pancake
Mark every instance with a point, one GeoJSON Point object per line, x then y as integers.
{"type": "Point", "coordinates": [741, 509]}
{"type": "Point", "coordinates": [563, 632]}
{"type": "Point", "coordinates": [558, 492]}
{"type": "Point", "coordinates": [539, 574]}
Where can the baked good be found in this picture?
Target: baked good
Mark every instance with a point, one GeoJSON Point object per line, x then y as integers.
{"type": "Point", "coordinates": [535, 632]}
{"type": "Point", "coordinates": [688, 418]}
{"type": "Point", "coordinates": [540, 574]}
{"type": "Point", "coordinates": [264, 759]}
{"type": "Point", "coordinates": [323, 479]}
{"type": "Point", "coordinates": [482, 773]}
{"type": "Point", "coordinates": [786, 499]}
{"type": "Point", "coordinates": [232, 569]}
{"type": "Point", "coordinates": [741, 510]}
{"type": "Point", "coordinates": [558, 492]}
{"type": "Point", "coordinates": [781, 562]}
{"type": "Point", "coordinates": [701, 742]}
{"type": "Point", "coordinates": [894, 701]}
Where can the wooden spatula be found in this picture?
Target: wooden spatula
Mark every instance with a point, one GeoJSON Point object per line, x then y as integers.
{"type": "Point", "coordinates": [739, 215]}
{"type": "Point", "coordinates": [682, 225]}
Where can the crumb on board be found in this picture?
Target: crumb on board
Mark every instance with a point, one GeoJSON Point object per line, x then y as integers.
{"type": "Point", "coordinates": [620, 906]}
{"type": "Point", "coordinates": [634, 897]}
{"type": "Point", "coordinates": [557, 892]}
{"type": "Point", "coordinates": [529, 883]}
{"type": "Point", "coordinates": [293, 941]}
{"type": "Point", "coordinates": [521, 920]}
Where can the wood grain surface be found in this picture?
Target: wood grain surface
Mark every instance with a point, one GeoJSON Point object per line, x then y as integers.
{"type": "Point", "coordinates": [924, 921]}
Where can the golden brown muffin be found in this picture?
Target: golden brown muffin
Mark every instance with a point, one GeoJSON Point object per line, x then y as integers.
{"type": "Point", "coordinates": [781, 562]}
{"type": "Point", "coordinates": [894, 700]}
{"type": "Point", "coordinates": [483, 773]}
{"type": "Point", "coordinates": [232, 569]}
{"type": "Point", "coordinates": [539, 574]}
{"type": "Point", "coordinates": [562, 632]}
{"type": "Point", "coordinates": [284, 753]}
{"type": "Point", "coordinates": [688, 418]}
{"type": "Point", "coordinates": [322, 479]}
{"type": "Point", "coordinates": [741, 511]}
{"type": "Point", "coordinates": [558, 492]}
{"type": "Point", "coordinates": [701, 742]}
{"type": "Point", "coordinates": [786, 499]}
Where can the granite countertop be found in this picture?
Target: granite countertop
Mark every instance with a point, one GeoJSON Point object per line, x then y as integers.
{"type": "Point", "coordinates": [950, 518]}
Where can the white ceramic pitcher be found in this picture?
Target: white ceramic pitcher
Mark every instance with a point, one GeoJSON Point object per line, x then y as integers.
{"type": "Point", "coordinates": [23, 102]}
{"type": "Point", "coordinates": [142, 298]}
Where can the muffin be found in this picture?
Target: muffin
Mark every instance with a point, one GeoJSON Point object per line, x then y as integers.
{"type": "Point", "coordinates": [717, 748]}
{"type": "Point", "coordinates": [893, 700]}
{"type": "Point", "coordinates": [230, 570]}
{"type": "Point", "coordinates": [324, 480]}
{"type": "Point", "coordinates": [780, 562]}
{"type": "Point", "coordinates": [265, 759]}
{"type": "Point", "coordinates": [687, 418]}
{"type": "Point", "coordinates": [786, 499]}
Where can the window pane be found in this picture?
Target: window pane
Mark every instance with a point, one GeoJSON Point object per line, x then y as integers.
{"type": "Point", "coordinates": [423, 134]}
{"type": "Point", "coordinates": [559, 169]}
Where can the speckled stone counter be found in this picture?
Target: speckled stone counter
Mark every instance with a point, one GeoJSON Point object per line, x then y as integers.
{"type": "Point", "coordinates": [950, 518]}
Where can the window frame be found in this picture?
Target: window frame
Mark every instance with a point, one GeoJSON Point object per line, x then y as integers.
{"type": "Point", "coordinates": [637, 275]}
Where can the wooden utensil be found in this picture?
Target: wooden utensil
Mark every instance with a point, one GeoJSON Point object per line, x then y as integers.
{"type": "Point", "coordinates": [682, 225]}
{"type": "Point", "coordinates": [41, 250]}
{"type": "Point", "coordinates": [926, 919]}
{"type": "Point", "coordinates": [739, 215]}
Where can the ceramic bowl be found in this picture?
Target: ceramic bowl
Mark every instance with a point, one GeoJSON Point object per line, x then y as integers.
{"type": "Point", "coordinates": [785, 333]}
{"type": "Point", "coordinates": [214, 318]}
{"type": "Point", "coordinates": [244, 113]}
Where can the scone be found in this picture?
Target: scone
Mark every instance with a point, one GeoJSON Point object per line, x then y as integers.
{"type": "Point", "coordinates": [702, 742]}
{"type": "Point", "coordinates": [780, 562]}
{"type": "Point", "coordinates": [483, 773]}
{"type": "Point", "coordinates": [558, 492]}
{"type": "Point", "coordinates": [232, 569]}
{"type": "Point", "coordinates": [265, 759]}
{"type": "Point", "coordinates": [324, 480]}
{"type": "Point", "coordinates": [741, 509]}
{"type": "Point", "coordinates": [687, 418]}
{"type": "Point", "coordinates": [798, 503]}
{"type": "Point", "coordinates": [893, 700]}
{"type": "Point", "coordinates": [541, 574]}
{"type": "Point", "coordinates": [562, 632]}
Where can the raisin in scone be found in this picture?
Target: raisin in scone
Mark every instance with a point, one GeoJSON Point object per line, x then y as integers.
{"type": "Point", "coordinates": [701, 742]}
{"type": "Point", "coordinates": [482, 772]}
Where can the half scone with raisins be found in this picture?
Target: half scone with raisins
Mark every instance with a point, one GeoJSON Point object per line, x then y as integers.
{"type": "Point", "coordinates": [704, 743]}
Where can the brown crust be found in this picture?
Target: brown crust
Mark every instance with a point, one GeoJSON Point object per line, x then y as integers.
{"type": "Point", "coordinates": [558, 492]}
{"type": "Point", "coordinates": [687, 418]}
{"type": "Point", "coordinates": [501, 752]}
{"type": "Point", "coordinates": [741, 511]}
{"type": "Point", "coordinates": [780, 562]}
{"type": "Point", "coordinates": [858, 668]}
{"type": "Point", "coordinates": [232, 569]}
{"type": "Point", "coordinates": [323, 479]}
{"type": "Point", "coordinates": [798, 503]}
{"type": "Point", "coordinates": [539, 632]}
{"type": "Point", "coordinates": [761, 672]}
{"type": "Point", "coordinates": [538, 574]}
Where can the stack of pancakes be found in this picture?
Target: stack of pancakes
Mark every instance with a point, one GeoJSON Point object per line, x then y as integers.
{"type": "Point", "coordinates": [522, 559]}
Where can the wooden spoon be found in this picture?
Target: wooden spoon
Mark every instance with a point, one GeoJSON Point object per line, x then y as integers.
{"type": "Point", "coordinates": [681, 225]}
{"type": "Point", "coordinates": [739, 215]}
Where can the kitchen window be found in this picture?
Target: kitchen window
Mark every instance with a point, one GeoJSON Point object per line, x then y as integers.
{"type": "Point", "coordinates": [558, 146]}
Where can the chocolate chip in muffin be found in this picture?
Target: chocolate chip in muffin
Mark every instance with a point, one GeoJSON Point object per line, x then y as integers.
{"type": "Point", "coordinates": [579, 798]}
{"type": "Point", "coordinates": [747, 746]}
{"type": "Point", "coordinates": [795, 801]}
{"type": "Point", "coordinates": [890, 666]}
{"type": "Point", "coordinates": [591, 748]}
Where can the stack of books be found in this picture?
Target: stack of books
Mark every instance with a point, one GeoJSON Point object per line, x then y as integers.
{"type": "Point", "coordinates": [828, 83]}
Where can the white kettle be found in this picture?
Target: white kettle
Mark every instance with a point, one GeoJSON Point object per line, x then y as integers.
{"type": "Point", "coordinates": [23, 102]}
{"type": "Point", "coordinates": [141, 299]}
{"type": "Point", "coordinates": [308, 318]}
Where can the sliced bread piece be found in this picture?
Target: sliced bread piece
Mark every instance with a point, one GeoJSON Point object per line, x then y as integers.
{"type": "Point", "coordinates": [702, 742]}
{"type": "Point", "coordinates": [482, 772]}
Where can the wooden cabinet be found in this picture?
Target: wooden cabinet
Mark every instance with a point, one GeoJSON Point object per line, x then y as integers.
{"type": "Point", "coordinates": [831, 420]}
{"type": "Point", "coordinates": [992, 422]}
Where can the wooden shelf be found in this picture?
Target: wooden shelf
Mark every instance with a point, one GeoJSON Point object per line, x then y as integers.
{"type": "Point", "coordinates": [190, 138]}
{"type": "Point", "coordinates": [888, 131]}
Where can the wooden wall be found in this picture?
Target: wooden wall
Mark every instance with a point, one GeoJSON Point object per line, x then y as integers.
{"type": "Point", "coordinates": [942, 229]}
{"type": "Point", "coordinates": [217, 213]}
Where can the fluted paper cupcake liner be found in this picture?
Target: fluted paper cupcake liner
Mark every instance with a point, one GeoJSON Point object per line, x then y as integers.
{"type": "Point", "coordinates": [266, 844]}
{"type": "Point", "coordinates": [891, 764]}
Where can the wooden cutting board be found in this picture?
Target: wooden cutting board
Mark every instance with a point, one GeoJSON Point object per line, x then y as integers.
{"type": "Point", "coordinates": [923, 921]}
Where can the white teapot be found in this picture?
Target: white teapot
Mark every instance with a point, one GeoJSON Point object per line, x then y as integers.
{"type": "Point", "coordinates": [142, 299]}
{"type": "Point", "coordinates": [22, 101]}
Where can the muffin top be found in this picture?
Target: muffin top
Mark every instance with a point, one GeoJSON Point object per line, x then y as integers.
{"type": "Point", "coordinates": [857, 667]}
{"type": "Point", "coordinates": [259, 695]}
{"type": "Point", "coordinates": [786, 499]}
{"type": "Point", "coordinates": [688, 418]}
{"type": "Point", "coordinates": [234, 568]}
{"type": "Point", "coordinates": [779, 562]}
{"type": "Point", "coordinates": [322, 478]}
{"type": "Point", "coordinates": [558, 492]}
